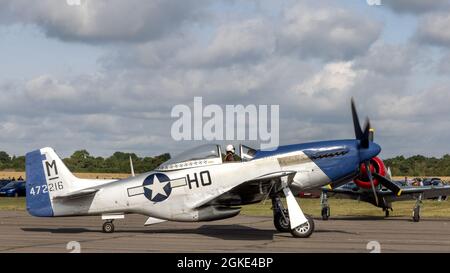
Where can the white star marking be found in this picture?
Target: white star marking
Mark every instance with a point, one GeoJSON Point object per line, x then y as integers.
{"type": "Point", "coordinates": [157, 187]}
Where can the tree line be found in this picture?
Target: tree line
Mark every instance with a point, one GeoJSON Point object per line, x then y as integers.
{"type": "Point", "coordinates": [82, 161]}
{"type": "Point", "coordinates": [119, 162]}
{"type": "Point", "coordinates": [419, 165]}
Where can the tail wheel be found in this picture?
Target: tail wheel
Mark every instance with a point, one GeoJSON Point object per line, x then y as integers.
{"type": "Point", "coordinates": [280, 223]}
{"type": "Point", "coordinates": [108, 227]}
{"type": "Point", "coordinates": [305, 230]}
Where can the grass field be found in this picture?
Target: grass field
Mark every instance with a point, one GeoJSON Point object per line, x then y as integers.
{"type": "Point", "coordinates": [345, 207]}
{"type": "Point", "coordinates": [12, 203]}
{"type": "Point", "coordinates": [339, 207]}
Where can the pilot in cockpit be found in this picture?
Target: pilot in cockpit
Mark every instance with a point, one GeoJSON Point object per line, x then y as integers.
{"type": "Point", "coordinates": [230, 153]}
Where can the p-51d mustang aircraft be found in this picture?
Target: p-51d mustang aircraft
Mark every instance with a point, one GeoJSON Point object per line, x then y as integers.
{"type": "Point", "coordinates": [384, 192]}
{"type": "Point", "coordinates": [198, 186]}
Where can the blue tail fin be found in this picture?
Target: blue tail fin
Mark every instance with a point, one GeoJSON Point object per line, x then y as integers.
{"type": "Point", "coordinates": [38, 197]}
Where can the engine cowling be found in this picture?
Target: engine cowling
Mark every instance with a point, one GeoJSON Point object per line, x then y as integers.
{"type": "Point", "coordinates": [376, 166]}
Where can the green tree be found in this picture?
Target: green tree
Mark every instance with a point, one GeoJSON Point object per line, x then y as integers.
{"type": "Point", "coordinates": [4, 157]}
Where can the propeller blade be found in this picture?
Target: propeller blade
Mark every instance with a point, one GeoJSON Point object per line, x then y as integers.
{"type": "Point", "coordinates": [366, 135]}
{"type": "Point", "coordinates": [388, 184]}
{"type": "Point", "coordinates": [356, 125]}
{"type": "Point", "coordinates": [296, 216]}
{"type": "Point", "coordinates": [369, 174]}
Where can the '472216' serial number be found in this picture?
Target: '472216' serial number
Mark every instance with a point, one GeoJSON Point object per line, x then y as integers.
{"type": "Point", "coordinates": [57, 186]}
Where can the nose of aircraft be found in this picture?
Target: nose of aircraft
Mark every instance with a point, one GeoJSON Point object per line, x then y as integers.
{"type": "Point", "coordinates": [370, 152]}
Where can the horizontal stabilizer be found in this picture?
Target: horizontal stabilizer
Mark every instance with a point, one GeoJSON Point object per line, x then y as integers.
{"type": "Point", "coordinates": [76, 194]}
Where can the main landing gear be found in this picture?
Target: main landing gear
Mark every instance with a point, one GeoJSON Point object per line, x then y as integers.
{"type": "Point", "coordinates": [416, 210]}
{"type": "Point", "coordinates": [282, 223]}
{"type": "Point", "coordinates": [325, 206]}
{"type": "Point", "coordinates": [386, 211]}
{"type": "Point", "coordinates": [280, 216]}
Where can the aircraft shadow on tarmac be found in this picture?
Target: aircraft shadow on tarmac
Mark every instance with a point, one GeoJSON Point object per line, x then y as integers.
{"type": "Point", "coordinates": [224, 232]}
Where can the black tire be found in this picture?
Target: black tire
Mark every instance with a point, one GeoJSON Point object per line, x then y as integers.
{"type": "Point", "coordinates": [416, 214]}
{"type": "Point", "coordinates": [305, 230]}
{"type": "Point", "coordinates": [108, 227]}
{"type": "Point", "coordinates": [325, 213]}
{"type": "Point", "coordinates": [281, 224]}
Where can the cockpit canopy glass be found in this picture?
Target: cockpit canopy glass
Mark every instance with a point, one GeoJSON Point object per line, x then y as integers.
{"type": "Point", "coordinates": [247, 153]}
{"type": "Point", "coordinates": [207, 151]}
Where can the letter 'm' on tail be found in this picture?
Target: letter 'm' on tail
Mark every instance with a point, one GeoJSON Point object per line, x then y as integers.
{"type": "Point", "coordinates": [47, 178]}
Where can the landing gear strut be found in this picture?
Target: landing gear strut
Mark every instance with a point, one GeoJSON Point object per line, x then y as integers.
{"type": "Point", "coordinates": [416, 210]}
{"type": "Point", "coordinates": [282, 223]}
{"type": "Point", "coordinates": [386, 212]}
{"type": "Point", "coordinates": [108, 226]}
{"type": "Point", "coordinates": [325, 206]}
{"type": "Point", "coordinates": [280, 215]}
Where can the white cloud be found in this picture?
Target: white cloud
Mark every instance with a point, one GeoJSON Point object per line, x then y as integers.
{"type": "Point", "coordinates": [328, 32]}
{"type": "Point", "coordinates": [434, 28]}
{"type": "Point", "coordinates": [390, 59]}
{"type": "Point", "coordinates": [97, 21]}
{"type": "Point", "coordinates": [309, 60]}
{"type": "Point", "coordinates": [247, 41]}
{"type": "Point", "coordinates": [335, 77]}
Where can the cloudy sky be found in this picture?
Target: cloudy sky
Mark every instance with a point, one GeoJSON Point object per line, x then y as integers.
{"type": "Point", "coordinates": [105, 75]}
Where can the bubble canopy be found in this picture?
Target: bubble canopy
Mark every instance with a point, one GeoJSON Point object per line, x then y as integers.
{"type": "Point", "coordinates": [198, 156]}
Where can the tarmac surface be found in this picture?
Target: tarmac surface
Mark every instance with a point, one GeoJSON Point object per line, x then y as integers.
{"type": "Point", "coordinates": [20, 232]}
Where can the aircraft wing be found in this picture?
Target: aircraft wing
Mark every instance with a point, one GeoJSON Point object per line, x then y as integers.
{"type": "Point", "coordinates": [343, 192]}
{"type": "Point", "coordinates": [426, 191]}
{"type": "Point", "coordinates": [251, 191]}
{"type": "Point", "coordinates": [407, 193]}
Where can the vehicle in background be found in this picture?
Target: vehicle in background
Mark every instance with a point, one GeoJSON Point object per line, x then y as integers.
{"type": "Point", "coordinates": [310, 194]}
{"type": "Point", "coordinates": [13, 189]}
{"type": "Point", "coordinates": [432, 182]}
{"type": "Point", "coordinates": [4, 182]}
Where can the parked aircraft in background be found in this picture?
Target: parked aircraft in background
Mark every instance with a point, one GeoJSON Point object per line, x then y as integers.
{"type": "Point", "coordinates": [383, 194]}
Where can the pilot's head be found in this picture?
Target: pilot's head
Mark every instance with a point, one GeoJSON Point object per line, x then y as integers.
{"type": "Point", "coordinates": [230, 149]}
